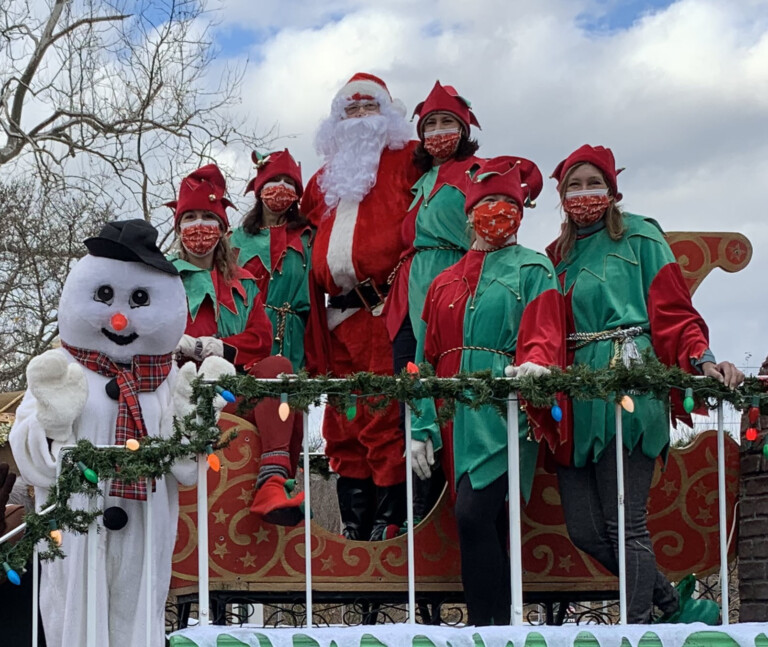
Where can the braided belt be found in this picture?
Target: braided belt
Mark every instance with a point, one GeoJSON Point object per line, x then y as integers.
{"type": "Point", "coordinates": [624, 347]}
{"type": "Point", "coordinates": [413, 253]}
{"type": "Point", "coordinates": [489, 350]}
{"type": "Point", "coordinates": [282, 315]}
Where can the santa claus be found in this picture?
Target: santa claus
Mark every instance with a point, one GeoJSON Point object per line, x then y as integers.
{"type": "Point", "coordinates": [358, 201]}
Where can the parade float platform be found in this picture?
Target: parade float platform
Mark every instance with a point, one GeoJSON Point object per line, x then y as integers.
{"type": "Point", "coordinates": [405, 635]}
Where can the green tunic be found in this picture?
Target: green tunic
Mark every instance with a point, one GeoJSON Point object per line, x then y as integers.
{"type": "Point", "coordinates": [280, 261]}
{"type": "Point", "coordinates": [609, 283]}
{"type": "Point", "coordinates": [440, 223]}
{"type": "Point", "coordinates": [490, 301]}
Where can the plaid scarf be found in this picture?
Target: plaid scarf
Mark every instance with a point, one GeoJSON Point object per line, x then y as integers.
{"type": "Point", "coordinates": [147, 372]}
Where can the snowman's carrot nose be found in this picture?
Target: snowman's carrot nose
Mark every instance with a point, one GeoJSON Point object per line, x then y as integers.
{"type": "Point", "coordinates": [118, 321]}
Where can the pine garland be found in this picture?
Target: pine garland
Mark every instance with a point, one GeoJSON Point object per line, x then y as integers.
{"type": "Point", "coordinates": [197, 431]}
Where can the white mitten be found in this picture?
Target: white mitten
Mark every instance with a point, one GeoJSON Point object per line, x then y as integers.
{"type": "Point", "coordinates": [212, 368]}
{"type": "Point", "coordinates": [510, 370]}
{"type": "Point", "coordinates": [212, 347]}
{"type": "Point", "coordinates": [186, 346]}
{"type": "Point", "coordinates": [60, 389]}
{"type": "Point", "coordinates": [423, 457]}
{"type": "Point", "coordinates": [527, 369]}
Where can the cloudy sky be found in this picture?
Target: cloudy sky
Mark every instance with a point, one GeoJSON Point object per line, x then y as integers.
{"type": "Point", "coordinates": [678, 90]}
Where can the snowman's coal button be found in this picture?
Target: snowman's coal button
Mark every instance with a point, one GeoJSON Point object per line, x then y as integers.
{"type": "Point", "coordinates": [115, 518]}
{"type": "Point", "coordinates": [113, 391]}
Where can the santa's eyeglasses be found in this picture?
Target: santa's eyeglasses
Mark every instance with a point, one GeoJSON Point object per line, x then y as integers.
{"type": "Point", "coordinates": [361, 107]}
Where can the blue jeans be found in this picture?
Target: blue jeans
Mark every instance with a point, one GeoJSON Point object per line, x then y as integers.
{"type": "Point", "coordinates": [589, 497]}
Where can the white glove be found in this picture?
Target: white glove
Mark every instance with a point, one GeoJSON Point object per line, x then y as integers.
{"type": "Point", "coordinates": [423, 457]}
{"type": "Point", "coordinates": [212, 368]}
{"type": "Point", "coordinates": [60, 389]}
{"type": "Point", "coordinates": [212, 347]}
{"type": "Point", "coordinates": [186, 346]}
{"type": "Point", "coordinates": [198, 348]}
{"type": "Point", "coordinates": [526, 369]}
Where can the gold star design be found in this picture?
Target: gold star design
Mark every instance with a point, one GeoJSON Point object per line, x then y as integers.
{"type": "Point", "coordinates": [261, 535]}
{"type": "Point", "coordinates": [221, 550]}
{"type": "Point", "coordinates": [669, 487]}
{"type": "Point", "coordinates": [704, 515]}
{"type": "Point", "coordinates": [701, 489]}
{"type": "Point", "coordinates": [566, 563]}
{"type": "Point", "coordinates": [249, 561]}
{"type": "Point", "coordinates": [246, 496]}
{"type": "Point", "coordinates": [328, 564]}
{"type": "Point", "coordinates": [220, 516]}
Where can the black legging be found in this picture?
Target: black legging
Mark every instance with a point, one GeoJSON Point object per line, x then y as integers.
{"type": "Point", "coordinates": [482, 519]}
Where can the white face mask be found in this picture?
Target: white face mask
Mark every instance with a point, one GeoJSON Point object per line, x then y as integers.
{"type": "Point", "coordinates": [442, 131]}
{"type": "Point", "coordinates": [586, 193]}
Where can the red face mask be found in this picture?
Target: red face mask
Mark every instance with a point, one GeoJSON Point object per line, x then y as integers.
{"type": "Point", "coordinates": [278, 196]}
{"type": "Point", "coordinates": [442, 144]}
{"type": "Point", "coordinates": [495, 222]}
{"type": "Point", "coordinates": [586, 207]}
{"type": "Point", "coordinates": [200, 238]}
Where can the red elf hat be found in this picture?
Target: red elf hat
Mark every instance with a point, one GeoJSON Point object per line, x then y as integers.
{"type": "Point", "coordinates": [516, 177]}
{"type": "Point", "coordinates": [598, 156]}
{"type": "Point", "coordinates": [270, 166]}
{"type": "Point", "coordinates": [202, 189]}
{"type": "Point", "coordinates": [444, 98]}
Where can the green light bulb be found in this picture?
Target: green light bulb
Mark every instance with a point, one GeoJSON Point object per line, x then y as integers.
{"type": "Point", "coordinates": [688, 400]}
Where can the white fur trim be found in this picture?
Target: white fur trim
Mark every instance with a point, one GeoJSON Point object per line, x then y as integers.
{"type": "Point", "coordinates": [364, 88]}
{"type": "Point", "coordinates": [336, 316]}
{"type": "Point", "coordinates": [340, 245]}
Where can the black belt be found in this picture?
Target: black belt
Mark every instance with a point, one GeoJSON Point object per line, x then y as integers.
{"type": "Point", "coordinates": [363, 295]}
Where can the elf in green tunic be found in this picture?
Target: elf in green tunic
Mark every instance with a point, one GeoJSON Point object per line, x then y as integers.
{"type": "Point", "coordinates": [625, 295]}
{"type": "Point", "coordinates": [500, 305]}
{"type": "Point", "coordinates": [226, 318]}
{"type": "Point", "coordinates": [434, 232]}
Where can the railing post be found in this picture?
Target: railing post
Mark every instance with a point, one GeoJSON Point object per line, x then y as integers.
{"type": "Point", "coordinates": [203, 603]}
{"type": "Point", "coordinates": [515, 538]}
{"type": "Point", "coordinates": [148, 544]}
{"type": "Point", "coordinates": [620, 502]}
{"type": "Point", "coordinates": [307, 521]}
{"type": "Point", "coordinates": [722, 514]}
{"type": "Point", "coordinates": [409, 517]}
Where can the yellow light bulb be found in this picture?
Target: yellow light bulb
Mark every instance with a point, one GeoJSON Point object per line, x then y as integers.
{"type": "Point", "coordinates": [284, 410]}
{"type": "Point", "coordinates": [628, 404]}
{"type": "Point", "coordinates": [132, 444]}
{"type": "Point", "coordinates": [56, 536]}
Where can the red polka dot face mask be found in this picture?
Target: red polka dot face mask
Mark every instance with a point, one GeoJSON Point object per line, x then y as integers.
{"type": "Point", "coordinates": [278, 196]}
{"type": "Point", "coordinates": [442, 144]}
{"type": "Point", "coordinates": [496, 222]}
{"type": "Point", "coordinates": [586, 207]}
{"type": "Point", "coordinates": [200, 238]}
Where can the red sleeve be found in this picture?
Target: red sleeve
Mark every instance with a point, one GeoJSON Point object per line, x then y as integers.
{"type": "Point", "coordinates": [678, 333]}
{"type": "Point", "coordinates": [541, 340]}
{"type": "Point", "coordinates": [255, 342]}
{"type": "Point", "coordinates": [317, 341]}
{"type": "Point", "coordinates": [312, 203]}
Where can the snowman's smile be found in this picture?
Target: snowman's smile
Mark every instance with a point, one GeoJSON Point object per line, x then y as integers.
{"type": "Point", "coordinates": [120, 340]}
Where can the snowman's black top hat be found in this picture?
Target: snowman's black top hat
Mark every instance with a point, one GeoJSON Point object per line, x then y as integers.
{"type": "Point", "coordinates": [130, 240]}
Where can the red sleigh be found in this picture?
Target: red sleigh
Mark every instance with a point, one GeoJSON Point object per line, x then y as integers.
{"type": "Point", "coordinates": [247, 555]}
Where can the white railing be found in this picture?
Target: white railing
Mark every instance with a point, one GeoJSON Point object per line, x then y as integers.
{"type": "Point", "coordinates": [516, 570]}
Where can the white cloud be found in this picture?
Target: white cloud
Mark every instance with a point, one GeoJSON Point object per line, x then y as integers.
{"type": "Point", "coordinates": [681, 96]}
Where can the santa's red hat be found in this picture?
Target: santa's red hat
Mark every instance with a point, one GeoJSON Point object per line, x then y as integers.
{"type": "Point", "coordinates": [363, 86]}
{"type": "Point", "coordinates": [202, 189]}
{"type": "Point", "coordinates": [270, 166]}
{"type": "Point", "coordinates": [516, 177]}
{"type": "Point", "coordinates": [444, 98]}
{"type": "Point", "coordinates": [598, 156]}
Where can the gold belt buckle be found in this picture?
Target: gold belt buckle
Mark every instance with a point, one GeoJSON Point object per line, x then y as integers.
{"type": "Point", "coordinates": [377, 307]}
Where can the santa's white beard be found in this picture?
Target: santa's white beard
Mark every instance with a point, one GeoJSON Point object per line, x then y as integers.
{"type": "Point", "coordinates": [351, 167]}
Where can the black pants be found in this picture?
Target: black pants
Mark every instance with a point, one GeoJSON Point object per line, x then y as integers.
{"type": "Point", "coordinates": [589, 496]}
{"type": "Point", "coordinates": [482, 519]}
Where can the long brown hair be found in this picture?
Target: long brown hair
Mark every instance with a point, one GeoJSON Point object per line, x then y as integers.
{"type": "Point", "coordinates": [614, 222]}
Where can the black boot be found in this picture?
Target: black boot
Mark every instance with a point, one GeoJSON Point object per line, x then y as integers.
{"type": "Point", "coordinates": [390, 512]}
{"type": "Point", "coordinates": [357, 503]}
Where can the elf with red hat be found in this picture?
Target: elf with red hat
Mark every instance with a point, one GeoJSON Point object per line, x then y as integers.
{"type": "Point", "coordinates": [434, 231]}
{"type": "Point", "coordinates": [226, 318]}
{"type": "Point", "coordinates": [358, 201]}
{"type": "Point", "coordinates": [499, 309]}
{"type": "Point", "coordinates": [625, 296]}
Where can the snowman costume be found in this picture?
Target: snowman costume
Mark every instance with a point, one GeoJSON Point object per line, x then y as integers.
{"type": "Point", "coordinates": [121, 314]}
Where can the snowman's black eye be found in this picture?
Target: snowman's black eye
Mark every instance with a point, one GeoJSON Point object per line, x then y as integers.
{"type": "Point", "coordinates": [105, 294]}
{"type": "Point", "coordinates": [139, 297]}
